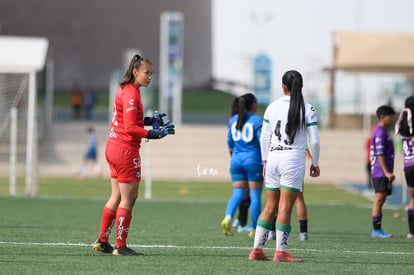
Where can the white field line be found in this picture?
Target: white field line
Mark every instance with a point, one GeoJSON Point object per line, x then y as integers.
{"type": "Point", "coordinates": [204, 201]}
{"type": "Point", "coordinates": [212, 247]}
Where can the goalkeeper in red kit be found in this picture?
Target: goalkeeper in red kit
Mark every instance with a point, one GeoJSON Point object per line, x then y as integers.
{"type": "Point", "coordinates": [123, 157]}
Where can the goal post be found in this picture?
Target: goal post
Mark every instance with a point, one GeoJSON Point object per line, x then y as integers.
{"type": "Point", "coordinates": [13, 149]}
{"type": "Point", "coordinates": [20, 59]}
{"type": "Point", "coordinates": [31, 186]}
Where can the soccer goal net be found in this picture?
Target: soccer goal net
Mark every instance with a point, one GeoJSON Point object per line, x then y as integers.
{"type": "Point", "coordinates": [15, 125]}
{"type": "Point", "coordinates": [20, 59]}
{"type": "Point", "coordinates": [13, 122]}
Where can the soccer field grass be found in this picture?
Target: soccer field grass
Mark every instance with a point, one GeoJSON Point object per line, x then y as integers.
{"type": "Point", "coordinates": [179, 232]}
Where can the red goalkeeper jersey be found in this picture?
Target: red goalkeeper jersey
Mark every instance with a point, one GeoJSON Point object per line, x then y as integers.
{"type": "Point", "coordinates": [127, 126]}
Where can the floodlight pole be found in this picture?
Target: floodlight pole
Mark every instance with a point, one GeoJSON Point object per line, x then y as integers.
{"type": "Point", "coordinates": [171, 64]}
{"type": "Point", "coordinates": [331, 111]}
{"type": "Point", "coordinates": [260, 23]}
{"type": "Point", "coordinates": [332, 74]}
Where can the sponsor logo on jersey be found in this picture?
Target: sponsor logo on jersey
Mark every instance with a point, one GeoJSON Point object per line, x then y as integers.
{"type": "Point", "coordinates": [112, 133]}
{"type": "Point", "coordinates": [131, 109]}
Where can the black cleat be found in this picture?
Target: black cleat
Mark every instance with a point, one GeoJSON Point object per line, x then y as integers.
{"type": "Point", "coordinates": [104, 247]}
{"type": "Point", "coordinates": [126, 251]}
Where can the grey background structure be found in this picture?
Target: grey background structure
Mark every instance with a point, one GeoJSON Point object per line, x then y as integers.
{"type": "Point", "coordinates": [87, 37]}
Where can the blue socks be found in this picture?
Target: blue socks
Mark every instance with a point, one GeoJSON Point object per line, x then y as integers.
{"type": "Point", "coordinates": [235, 200]}
{"type": "Point", "coordinates": [255, 205]}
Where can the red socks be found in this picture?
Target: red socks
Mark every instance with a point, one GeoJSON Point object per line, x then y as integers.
{"type": "Point", "coordinates": [108, 219]}
{"type": "Point", "coordinates": [123, 220]}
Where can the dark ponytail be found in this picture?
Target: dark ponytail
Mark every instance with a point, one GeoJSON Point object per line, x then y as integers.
{"type": "Point", "coordinates": [234, 106]}
{"type": "Point", "coordinates": [135, 63]}
{"type": "Point", "coordinates": [245, 105]}
{"type": "Point", "coordinates": [241, 111]}
{"type": "Point", "coordinates": [296, 114]}
{"type": "Point", "coordinates": [405, 126]}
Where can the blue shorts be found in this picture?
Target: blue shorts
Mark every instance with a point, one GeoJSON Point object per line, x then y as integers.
{"type": "Point", "coordinates": [91, 154]}
{"type": "Point", "coordinates": [249, 169]}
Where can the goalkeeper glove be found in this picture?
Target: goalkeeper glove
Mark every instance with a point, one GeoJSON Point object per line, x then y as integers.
{"type": "Point", "coordinates": [155, 120]}
{"type": "Point", "coordinates": [167, 129]}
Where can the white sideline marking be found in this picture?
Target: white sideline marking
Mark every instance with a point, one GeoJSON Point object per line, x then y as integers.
{"type": "Point", "coordinates": [213, 247]}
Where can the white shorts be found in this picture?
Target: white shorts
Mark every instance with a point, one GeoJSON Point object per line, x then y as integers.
{"type": "Point", "coordinates": [285, 169]}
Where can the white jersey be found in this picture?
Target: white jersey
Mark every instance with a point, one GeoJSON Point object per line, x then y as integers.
{"type": "Point", "coordinates": [274, 137]}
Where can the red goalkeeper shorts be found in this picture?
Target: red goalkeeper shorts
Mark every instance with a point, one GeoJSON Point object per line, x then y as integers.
{"type": "Point", "coordinates": [124, 163]}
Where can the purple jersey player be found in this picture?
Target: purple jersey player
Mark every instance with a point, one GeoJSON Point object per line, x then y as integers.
{"type": "Point", "coordinates": [408, 147]}
{"type": "Point", "coordinates": [382, 163]}
{"type": "Point", "coordinates": [381, 145]}
{"type": "Point", "coordinates": [404, 128]}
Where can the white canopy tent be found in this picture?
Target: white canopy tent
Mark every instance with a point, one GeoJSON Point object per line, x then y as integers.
{"type": "Point", "coordinates": [367, 52]}
{"type": "Point", "coordinates": [26, 55]}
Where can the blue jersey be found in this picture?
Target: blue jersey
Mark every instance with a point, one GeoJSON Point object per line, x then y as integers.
{"type": "Point", "coordinates": [246, 159]}
{"type": "Point", "coordinates": [245, 143]}
{"type": "Point", "coordinates": [92, 147]}
{"type": "Point", "coordinates": [381, 144]}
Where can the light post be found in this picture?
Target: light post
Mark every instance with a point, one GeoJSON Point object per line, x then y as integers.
{"type": "Point", "coordinates": [262, 63]}
{"type": "Point", "coordinates": [260, 21]}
